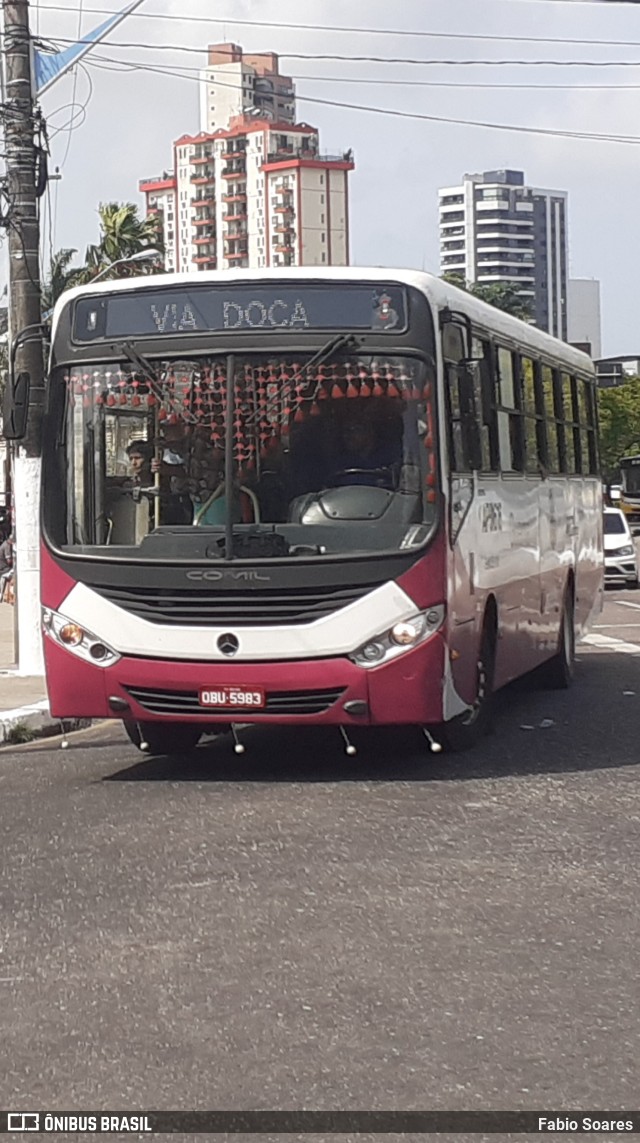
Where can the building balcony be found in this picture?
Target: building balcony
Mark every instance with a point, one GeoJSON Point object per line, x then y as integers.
{"type": "Point", "coordinates": [235, 216]}
{"type": "Point", "coordinates": [205, 220]}
{"type": "Point", "coordinates": [234, 255]}
{"type": "Point", "coordinates": [234, 151]}
{"type": "Point", "coordinates": [199, 160]}
{"type": "Point", "coordinates": [500, 219]}
{"type": "Point", "coordinates": [202, 180]}
{"type": "Point", "coordinates": [283, 228]}
{"type": "Point", "coordinates": [509, 276]}
{"type": "Point", "coordinates": [284, 208]}
{"type": "Point", "coordinates": [205, 200]}
{"type": "Point", "coordinates": [204, 240]}
{"type": "Point", "coordinates": [288, 153]}
{"type": "Point", "coordinates": [204, 259]}
{"type": "Point", "coordinates": [239, 197]}
{"type": "Point", "coordinates": [283, 247]}
{"type": "Point", "coordinates": [234, 172]}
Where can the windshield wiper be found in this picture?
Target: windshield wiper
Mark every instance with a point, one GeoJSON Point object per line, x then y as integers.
{"type": "Point", "coordinates": [138, 360]}
{"type": "Point", "coordinates": [320, 357]}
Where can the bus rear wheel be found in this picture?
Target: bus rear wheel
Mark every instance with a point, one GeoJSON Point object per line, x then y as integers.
{"type": "Point", "coordinates": [163, 737]}
{"type": "Point", "coordinates": [467, 729]}
{"type": "Point", "coordinates": [557, 673]}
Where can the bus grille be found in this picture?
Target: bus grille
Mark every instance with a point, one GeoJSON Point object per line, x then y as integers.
{"type": "Point", "coordinates": [274, 607]}
{"type": "Point", "coordinates": [277, 702]}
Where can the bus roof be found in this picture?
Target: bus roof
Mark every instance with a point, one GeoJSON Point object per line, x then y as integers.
{"type": "Point", "coordinates": [440, 293]}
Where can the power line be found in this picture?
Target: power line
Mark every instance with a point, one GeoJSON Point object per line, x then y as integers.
{"type": "Point", "coordinates": [191, 72]}
{"type": "Point", "coordinates": [338, 28]}
{"type": "Point", "coordinates": [405, 60]}
{"type": "Point", "coordinates": [421, 116]}
{"type": "Point", "coordinates": [75, 89]}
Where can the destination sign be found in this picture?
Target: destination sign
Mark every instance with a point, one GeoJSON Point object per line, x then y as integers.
{"type": "Point", "coordinates": [290, 308]}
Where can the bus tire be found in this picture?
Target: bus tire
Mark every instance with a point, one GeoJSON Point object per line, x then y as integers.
{"type": "Point", "coordinates": [557, 673]}
{"type": "Point", "coordinates": [163, 737]}
{"type": "Point", "coordinates": [467, 729]}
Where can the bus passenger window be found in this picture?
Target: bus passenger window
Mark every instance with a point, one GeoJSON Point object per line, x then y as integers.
{"type": "Point", "coordinates": [586, 418]}
{"type": "Point", "coordinates": [569, 426]}
{"type": "Point", "coordinates": [533, 408]}
{"type": "Point", "coordinates": [510, 441]}
{"type": "Point", "coordinates": [483, 392]}
{"type": "Point", "coordinates": [552, 452]}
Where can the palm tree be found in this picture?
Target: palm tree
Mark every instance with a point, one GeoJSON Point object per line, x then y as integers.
{"type": "Point", "coordinates": [122, 233]}
{"type": "Point", "coordinates": [62, 275]}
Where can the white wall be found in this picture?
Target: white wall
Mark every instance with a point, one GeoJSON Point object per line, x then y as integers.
{"type": "Point", "coordinates": [338, 184]}
{"type": "Point", "coordinates": [583, 313]}
{"type": "Point", "coordinates": [313, 208]}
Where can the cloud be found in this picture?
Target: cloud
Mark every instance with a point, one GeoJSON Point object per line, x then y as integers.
{"type": "Point", "coordinates": [133, 118]}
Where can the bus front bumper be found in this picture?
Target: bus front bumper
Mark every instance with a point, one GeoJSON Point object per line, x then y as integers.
{"type": "Point", "coordinates": [406, 690]}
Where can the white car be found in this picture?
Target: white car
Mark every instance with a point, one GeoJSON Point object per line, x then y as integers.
{"type": "Point", "coordinates": [620, 557]}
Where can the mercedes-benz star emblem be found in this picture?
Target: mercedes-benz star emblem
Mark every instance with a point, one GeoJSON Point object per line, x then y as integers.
{"type": "Point", "coordinates": [228, 644]}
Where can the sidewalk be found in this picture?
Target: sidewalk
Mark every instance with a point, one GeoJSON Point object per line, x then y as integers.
{"type": "Point", "coordinates": [23, 700]}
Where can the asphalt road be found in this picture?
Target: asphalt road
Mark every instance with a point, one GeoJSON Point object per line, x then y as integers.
{"type": "Point", "coordinates": [295, 928]}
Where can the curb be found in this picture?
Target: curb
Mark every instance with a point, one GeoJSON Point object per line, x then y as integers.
{"type": "Point", "coordinates": [35, 718]}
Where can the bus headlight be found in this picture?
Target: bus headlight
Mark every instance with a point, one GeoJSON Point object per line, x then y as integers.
{"type": "Point", "coordinates": [77, 639]}
{"type": "Point", "coordinates": [400, 638]}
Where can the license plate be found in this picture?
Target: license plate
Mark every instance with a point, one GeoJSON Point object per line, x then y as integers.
{"type": "Point", "coordinates": [233, 698]}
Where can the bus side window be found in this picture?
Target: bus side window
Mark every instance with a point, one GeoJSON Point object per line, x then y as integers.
{"type": "Point", "coordinates": [570, 431]}
{"type": "Point", "coordinates": [586, 420]}
{"type": "Point", "coordinates": [462, 416]}
{"type": "Point", "coordinates": [483, 387]}
{"type": "Point", "coordinates": [552, 457]}
{"type": "Point", "coordinates": [533, 409]}
{"type": "Point", "coordinates": [510, 441]}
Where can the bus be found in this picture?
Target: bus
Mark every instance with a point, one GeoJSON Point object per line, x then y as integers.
{"type": "Point", "coordinates": [630, 490]}
{"type": "Point", "coordinates": [330, 497]}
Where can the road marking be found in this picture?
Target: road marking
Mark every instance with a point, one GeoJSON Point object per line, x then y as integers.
{"type": "Point", "coordinates": [627, 603]}
{"type": "Point", "coordinates": [608, 643]}
{"type": "Point", "coordinates": [618, 626]}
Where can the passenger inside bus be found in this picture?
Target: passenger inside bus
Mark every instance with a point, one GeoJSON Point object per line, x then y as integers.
{"type": "Point", "coordinates": [356, 442]}
{"type": "Point", "coordinates": [369, 446]}
{"type": "Point", "coordinates": [140, 455]}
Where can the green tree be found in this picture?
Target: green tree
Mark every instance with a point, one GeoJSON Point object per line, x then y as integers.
{"type": "Point", "coordinates": [619, 417]}
{"type": "Point", "coordinates": [62, 275]}
{"type": "Point", "coordinates": [502, 295]}
{"type": "Point", "coordinates": [122, 233]}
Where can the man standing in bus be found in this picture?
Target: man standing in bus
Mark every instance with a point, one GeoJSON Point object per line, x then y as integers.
{"type": "Point", "coordinates": [140, 453]}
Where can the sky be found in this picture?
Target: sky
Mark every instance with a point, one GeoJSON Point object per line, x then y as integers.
{"type": "Point", "coordinates": [132, 117]}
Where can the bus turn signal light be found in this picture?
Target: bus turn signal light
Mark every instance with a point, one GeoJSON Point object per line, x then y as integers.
{"type": "Point", "coordinates": [71, 634]}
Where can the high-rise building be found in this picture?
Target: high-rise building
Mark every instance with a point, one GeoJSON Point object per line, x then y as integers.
{"type": "Point", "coordinates": [256, 193]}
{"type": "Point", "coordinates": [236, 84]}
{"type": "Point", "coordinates": [494, 228]}
{"type": "Point", "coordinates": [583, 316]}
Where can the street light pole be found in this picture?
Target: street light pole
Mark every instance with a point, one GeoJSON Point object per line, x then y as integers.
{"type": "Point", "coordinates": [24, 297]}
{"type": "Point", "coordinates": [146, 255]}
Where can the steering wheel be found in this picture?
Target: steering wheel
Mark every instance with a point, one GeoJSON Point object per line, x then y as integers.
{"type": "Point", "coordinates": [377, 475]}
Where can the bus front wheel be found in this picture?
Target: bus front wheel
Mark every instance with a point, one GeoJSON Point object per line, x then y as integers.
{"type": "Point", "coordinates": [163, 737]}
{"type": "Point", "coordinates": [467, 729]}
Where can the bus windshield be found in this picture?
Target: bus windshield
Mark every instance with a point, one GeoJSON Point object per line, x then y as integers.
{"type": "Point", "coordinates": [335, 459]}
{"type": "Point", "coordinates": [631, 475]}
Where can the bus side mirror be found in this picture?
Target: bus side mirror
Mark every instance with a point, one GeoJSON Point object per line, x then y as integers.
{"type": "Point", "coordinates": [15, 413]}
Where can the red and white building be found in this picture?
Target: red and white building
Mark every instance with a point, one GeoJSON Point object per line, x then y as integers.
{"type": "Point", "coordinates": [256, 194]}
{"type": "Point", "coordinates": [238, 83]}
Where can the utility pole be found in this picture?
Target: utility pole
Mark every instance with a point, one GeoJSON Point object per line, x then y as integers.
{"type": "Point", "coordinates": [24, 306]}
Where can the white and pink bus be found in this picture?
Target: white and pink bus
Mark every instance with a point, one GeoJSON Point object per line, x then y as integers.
{"type": "Point", "coordinates": [355, 497]}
